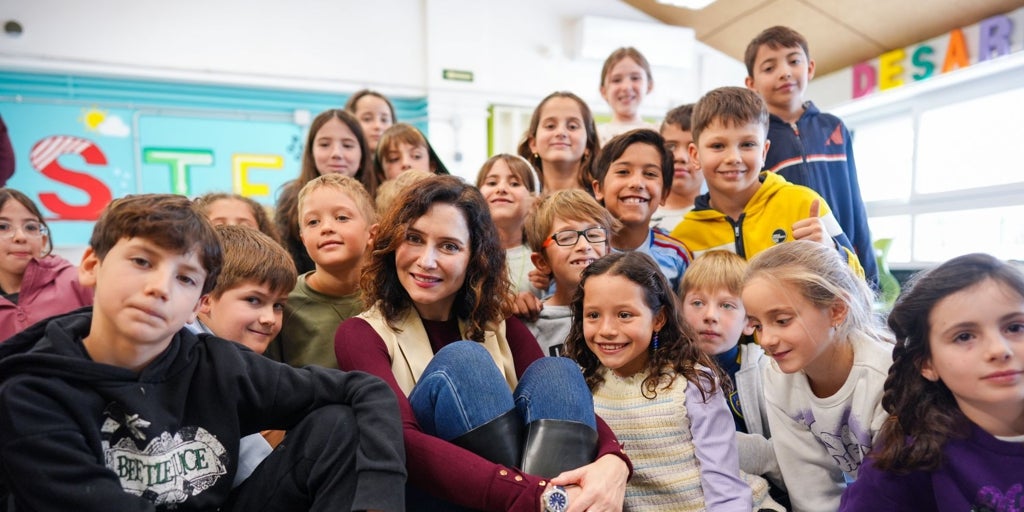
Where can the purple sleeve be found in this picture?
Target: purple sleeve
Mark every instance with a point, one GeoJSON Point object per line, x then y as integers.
{"type": "Point", "coordinates": [880, 491]}
{"type": "Point", "coordinates": [714, 440]}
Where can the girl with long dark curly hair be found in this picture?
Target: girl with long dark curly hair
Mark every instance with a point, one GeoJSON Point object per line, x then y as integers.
{"type": "Point", "coordinates": [658, 391]}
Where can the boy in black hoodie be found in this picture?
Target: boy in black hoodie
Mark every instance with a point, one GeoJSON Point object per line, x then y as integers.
{"type": "Point", "coordinates": [119, 408]}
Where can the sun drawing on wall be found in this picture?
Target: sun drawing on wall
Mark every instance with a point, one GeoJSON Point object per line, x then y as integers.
{"type": "Point", "coordinates": [92, 118]}
{"type": "Point", "coordinates": [104, 123]}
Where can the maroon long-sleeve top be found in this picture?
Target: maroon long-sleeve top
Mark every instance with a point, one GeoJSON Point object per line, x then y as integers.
{"type": "Point", "coordinates": [438, 466]}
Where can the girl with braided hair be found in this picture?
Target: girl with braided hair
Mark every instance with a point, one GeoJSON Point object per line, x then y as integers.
{"type": "Point", "coordinates": [954, 439]}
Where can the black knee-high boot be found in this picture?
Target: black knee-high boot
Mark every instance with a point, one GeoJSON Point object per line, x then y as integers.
{"type": "Point", "coordinates": [499, 440]}
{"type": "Point", "coordinates": [554, 446]}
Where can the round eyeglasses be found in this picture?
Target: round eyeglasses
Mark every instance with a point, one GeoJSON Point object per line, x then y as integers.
{"type": "Point", "coordinates": [31, 229]}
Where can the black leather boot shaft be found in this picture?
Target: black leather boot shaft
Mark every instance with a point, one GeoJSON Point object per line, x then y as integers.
{"type": "Point", "coordinates": [554, 446]}
{"type": "Point", "coordinates": [499, 440]}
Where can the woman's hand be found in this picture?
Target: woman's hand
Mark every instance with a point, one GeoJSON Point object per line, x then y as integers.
{"type": "Point", "coordinates": [602, 485]}
{"type": "Point", "coordinates": [572, 491]}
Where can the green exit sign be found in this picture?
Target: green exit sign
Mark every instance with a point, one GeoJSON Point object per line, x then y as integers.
{"type": "Point", "coordinates": [457, 75]}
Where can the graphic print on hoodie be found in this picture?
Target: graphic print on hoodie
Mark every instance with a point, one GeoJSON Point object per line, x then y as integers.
{"type": "Point", "coordinates": [170, 468]}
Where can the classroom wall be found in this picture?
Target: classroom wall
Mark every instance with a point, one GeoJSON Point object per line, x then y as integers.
{"type": "Point", "coordinates": [269, 41]}
{"type": "Point", "coordinates": [518, 52]}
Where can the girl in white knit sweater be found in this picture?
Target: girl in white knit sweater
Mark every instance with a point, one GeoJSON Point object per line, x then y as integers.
{"type": "Point", "coordinates": [655, 388]}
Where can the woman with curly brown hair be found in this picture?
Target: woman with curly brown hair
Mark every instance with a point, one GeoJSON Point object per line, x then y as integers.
{"type": "Point", "coordinates": [489, 420]}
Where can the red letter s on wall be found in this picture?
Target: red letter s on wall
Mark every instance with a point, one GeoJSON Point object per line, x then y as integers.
{"type": "Point", "coordinates": [44, 159]}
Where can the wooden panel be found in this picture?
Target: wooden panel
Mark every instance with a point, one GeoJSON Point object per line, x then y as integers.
{"type": "Point", "coordinates": [830, 42]}
{"type": "Point", "coordinates": [899, 24]}
{"type": "Point", "coordinates": [840, 32]}
{"type": "Point", "coordinates": [723, 13]}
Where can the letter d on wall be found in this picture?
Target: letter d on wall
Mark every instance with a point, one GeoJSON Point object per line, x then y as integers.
{"type": "Point", "coordinates": [865, 79]}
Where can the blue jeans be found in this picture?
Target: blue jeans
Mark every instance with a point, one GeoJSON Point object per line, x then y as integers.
{"type": "Point", "coordinates": [462, 388]}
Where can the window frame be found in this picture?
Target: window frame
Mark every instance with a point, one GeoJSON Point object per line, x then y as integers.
{"type": "Point", "coordinates": [982, 79]}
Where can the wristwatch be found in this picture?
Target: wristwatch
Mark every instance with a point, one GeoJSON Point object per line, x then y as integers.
{"type": "Point", "coordinates": [555, 499]}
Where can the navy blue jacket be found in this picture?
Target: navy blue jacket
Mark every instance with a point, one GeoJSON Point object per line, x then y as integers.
{"type": "Point", "coordinates": [817, 153]}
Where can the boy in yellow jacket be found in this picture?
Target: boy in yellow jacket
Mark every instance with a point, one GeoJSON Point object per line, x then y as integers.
{"type": "Point", "coordinates": [746, 211]}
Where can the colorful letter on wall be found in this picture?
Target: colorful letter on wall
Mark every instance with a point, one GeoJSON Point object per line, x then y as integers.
{"type": "Point", "coordinates": [956, 52]}
{"type": "Point", "coordinates": [865, 78]}
{"type": "Point", "coordinates": [994, 40]}
{"type": "Point", "coordinates": [890, 69]}
{"type": "Point", "coordinates": [240, 165]}
{"type": "Point", "coordinates": [991, 38]}
{"type": "Point", "coordinates": [920, 60]}
{"type": "Point", "coordinates": [44, 159]}
{"type": "Point", "coordinates": [179, 161]}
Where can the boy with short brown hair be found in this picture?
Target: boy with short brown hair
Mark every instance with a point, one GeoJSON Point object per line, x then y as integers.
{"type": "Point", "coordinates": [248, 300]}
{"type": "Point", "coordinates": [245, 306]}
{"type": "Point", "coordinates": [119, 408]}
{"type": "Point", "coordinates": [631, 179]}
{"type": "Point", "coordinates": [567, 230]}
{"type": "Point", "coordinates": [745, 210]}
{"type": "Point", "coordinates": [809, 147]}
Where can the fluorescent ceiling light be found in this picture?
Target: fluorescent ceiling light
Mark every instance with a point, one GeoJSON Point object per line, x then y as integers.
{"type": "Point", "coordinates": [695, 5]}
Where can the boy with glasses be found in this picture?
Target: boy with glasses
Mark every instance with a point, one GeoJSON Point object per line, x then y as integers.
{"type": "Point", "coordinates": [567, 230]}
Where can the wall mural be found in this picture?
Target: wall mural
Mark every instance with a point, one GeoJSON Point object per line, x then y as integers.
{"type": "Point", "coordinates": [78, 147]}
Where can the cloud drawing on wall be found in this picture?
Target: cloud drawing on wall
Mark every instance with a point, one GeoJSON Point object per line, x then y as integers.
{"type": "Point", "coordinates": [113, 126]}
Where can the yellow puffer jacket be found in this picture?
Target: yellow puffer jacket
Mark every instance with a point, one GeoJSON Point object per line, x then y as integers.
{"type": "Point", "coordinates": [767, 220]}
